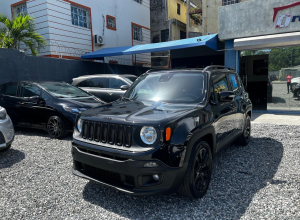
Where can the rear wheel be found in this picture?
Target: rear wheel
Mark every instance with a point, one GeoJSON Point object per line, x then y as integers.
{"type": "Point", "coordinates": [6, 148]}
{"type": "Point", "coordinates": [198, 174]}
{"type": "Point", "coordinates": [245, 137]}
{"type": "Point", "coordinates": [56, 127]}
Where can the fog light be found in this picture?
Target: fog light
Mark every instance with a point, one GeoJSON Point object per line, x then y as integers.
{"type": "Point", "coordinates": [156, 177]}
{"type": "Point", "coordinates": [151, 164]}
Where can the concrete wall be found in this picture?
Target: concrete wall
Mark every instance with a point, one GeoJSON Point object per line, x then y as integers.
{"type": "Point", "coordinates": [255, 18]}
{"type": "Point", "coordinates": [53, 19]}
{"type": "Point", "coordinates": [16, 66]}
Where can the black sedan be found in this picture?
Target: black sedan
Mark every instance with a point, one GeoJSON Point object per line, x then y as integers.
{"type": "Point", "coordinates": [51, 106]}
{"type": "Point", "coordinates": [297, 91]}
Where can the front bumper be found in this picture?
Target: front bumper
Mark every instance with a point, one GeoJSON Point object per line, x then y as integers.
{"type": "Point", "coordinates": [7, 132]}
{"type": "Point", "coordinates": [126, 174]}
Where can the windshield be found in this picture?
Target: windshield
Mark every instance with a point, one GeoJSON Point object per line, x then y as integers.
{"type": "Point", "coordinates": [178, 87]}
{"type": "Point", "coordinates": [63, 90]}
{"type": "Point", "coordinates": [130, 79]}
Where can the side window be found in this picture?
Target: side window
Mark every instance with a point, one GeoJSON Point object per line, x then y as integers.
{"type": "Point", "coordinates": [235, 83]}
{"type": "Point", "coordinates": [220, 84]}
{"type": "Point", "coordinates": [29, 90]}
{"type": "Point", "coordinates": [10, 89]}
{"type": "Point", "coordinates": [95, 82]}
{"type": "Point", "coordinates": [115, 83]}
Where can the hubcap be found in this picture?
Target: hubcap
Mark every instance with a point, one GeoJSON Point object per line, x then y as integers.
{"type": "Point", "coordinates": [202, 170]}
{"type": "Point", "coordinates": [54, 127]}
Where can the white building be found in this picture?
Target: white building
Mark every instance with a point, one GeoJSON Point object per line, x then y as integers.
{"type": "Point", "coordinates": [74, 28]}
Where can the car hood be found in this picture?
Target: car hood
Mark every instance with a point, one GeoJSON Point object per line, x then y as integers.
{"type": "Point", "coordinates": [297, 79]}
{"type": "Point", "coordinates": [136, 112]}
{"type": "Point", "coordinates": [89, 102]}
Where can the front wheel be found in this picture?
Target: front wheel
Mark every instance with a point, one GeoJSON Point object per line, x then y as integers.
{"type": "Point", "coordinates": [56, 127]}
{"type": "Point", "coordinates": [245, 137]}
{"type": "Point", "coordinates": [198, 174]}
{"type": "Point", "coordinates": [293, 87]}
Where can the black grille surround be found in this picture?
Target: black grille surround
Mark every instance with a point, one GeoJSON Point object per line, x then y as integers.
{"type": "Point", "coordinates": [108, 133]}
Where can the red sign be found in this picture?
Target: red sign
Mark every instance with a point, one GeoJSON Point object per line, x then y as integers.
{"type": "Point", "coordinates": [288, 18]}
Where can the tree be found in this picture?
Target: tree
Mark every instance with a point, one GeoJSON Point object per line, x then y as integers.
{"type": "Point", "coordinates": [21, 30]}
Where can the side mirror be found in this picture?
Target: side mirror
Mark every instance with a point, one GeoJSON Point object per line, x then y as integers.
{"type": "Point", "coordinates": [34, 99]}
{"type": "Point", "coordinates": [227, 96]}
{"type": "Point", "coordinates": [124, 87]}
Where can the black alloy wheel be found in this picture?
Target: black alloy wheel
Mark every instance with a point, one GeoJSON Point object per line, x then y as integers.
{"type": "Point", "coordinates": [56, 127]}
{"type": "Point", "coordinates": [246, 136]}
{"type": "Point", "coordinates": [198, 174]}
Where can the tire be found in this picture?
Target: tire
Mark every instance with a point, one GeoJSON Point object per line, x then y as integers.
{"type": "Point", "coordinates": [56, 127]}
{"type": "Point", "coordinates": [293, 87]}
{"type": "Point", "coordinates": [244, 139]}
{"type": "Point", "coordinates": [6, 148]}
{"type": "Point", "coordinates": [197, 177]}
{"type": "Point", "coordinates": [298, 95]}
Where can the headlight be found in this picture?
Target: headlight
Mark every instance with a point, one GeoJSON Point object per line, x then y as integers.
{"type": "Point", "coordinates": [74, 109]}
{"type": "Point", "coordinates": [79, 125]}
{"type": "Point", "coordinates": [148, 135]}
{"type": "Point", "coordinates": [3, 113]}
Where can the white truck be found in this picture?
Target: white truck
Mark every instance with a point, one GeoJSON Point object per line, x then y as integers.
{"type": "Point", "coordinates": [294, 83]}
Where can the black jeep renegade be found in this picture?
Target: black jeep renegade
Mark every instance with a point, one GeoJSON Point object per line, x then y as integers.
{"type": "Point", "coordinates": [162, 135]}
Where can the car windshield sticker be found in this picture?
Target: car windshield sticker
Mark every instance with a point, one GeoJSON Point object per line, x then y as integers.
{"type": "Point", "coordinates": [234, 82]}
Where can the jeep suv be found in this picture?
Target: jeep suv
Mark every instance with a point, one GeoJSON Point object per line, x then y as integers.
{"type": "Point", "coordinates": [162, 135]}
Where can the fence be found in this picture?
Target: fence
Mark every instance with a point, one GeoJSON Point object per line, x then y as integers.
{"type": "Point", "coordinates": [16, 66]}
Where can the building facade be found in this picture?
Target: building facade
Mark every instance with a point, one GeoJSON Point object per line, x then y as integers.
{"type": "Point", "coordinates": [74, 28]}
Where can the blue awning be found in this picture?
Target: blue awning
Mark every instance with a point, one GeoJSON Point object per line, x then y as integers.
{"type": "Point", "coordinates": [208, 40]}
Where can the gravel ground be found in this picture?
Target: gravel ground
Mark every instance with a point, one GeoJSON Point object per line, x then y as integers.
{"type": "Point", "coordinates": [281, 99]}
{"type": "Point", "coordinates": [260, 181]}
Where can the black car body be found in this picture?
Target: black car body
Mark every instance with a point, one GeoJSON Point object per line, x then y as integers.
{"type": "Point", "coordinates": [273, 77]}
{"type": "Point", "coordinates": [188, 111]}
{"type": "Point", "coordinates": [297, 91]}
{"type": "Point", "coordinates": [32, 104]}
{"type": "Point", "coordinates": [107, 87]}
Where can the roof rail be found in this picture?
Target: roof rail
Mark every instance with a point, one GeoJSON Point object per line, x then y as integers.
{"type": "Point", "coordinates": [215, 67]}
{"type": "Point", "coordinates": [154, 70]}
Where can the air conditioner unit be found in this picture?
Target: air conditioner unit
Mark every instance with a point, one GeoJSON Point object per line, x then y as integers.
{"type": "Point", "coordinates": [99, 40]}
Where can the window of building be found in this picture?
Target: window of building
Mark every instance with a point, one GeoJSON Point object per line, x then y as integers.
{"type": "Point", "coordinates": [182, 35]}
{"type": "Point", "coordinates": [178, 8]}
{"type": "Point", "coordinates": [96, 82]}
{"type": "Point", "coordinates": [11, 89]}
{"type": "Point", "coordinates": [19, 9]}
{"type": "Point", "coordinates": [164, 35]}
{"type": "Point", "coordinates": [137, 33]}
{"type": "Point", "coordinates": [111, 23]}
{"type": "Point", "coordinates": [138, 1]}
{"type": "Point", "coordinates": [29, 90]}
{"type": "Point", "coordinates": [80, 16]}
{"type": "Point", "coordinates": [230, 2]}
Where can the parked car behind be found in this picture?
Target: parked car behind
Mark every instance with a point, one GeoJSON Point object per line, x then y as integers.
{"type": "Point", "coordinates": [297, 91]}
{"type": "Point", "coordinates": [7, 132]}
{"type": "Point", "coordinates": [294, 83]}
{"type": "Point", "coordinates": [51, 106]}
{"type": "Point", "coordinates": [106, 87]}
{"type": "Point", "coordinates": [162, 135]}
{"type": "Point", "coordinates": [273, 77]}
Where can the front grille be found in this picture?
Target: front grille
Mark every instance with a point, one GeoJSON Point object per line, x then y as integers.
{"type": "Point", "coordinates": [105, 175]}
{"type": "Point", "coordinates": [112, 134]}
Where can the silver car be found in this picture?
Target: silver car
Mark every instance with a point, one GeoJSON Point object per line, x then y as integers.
{"type": "Point", "coordinates": [7, 132]}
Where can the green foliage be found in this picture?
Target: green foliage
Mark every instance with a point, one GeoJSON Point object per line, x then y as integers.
{"type": "Point", "coordinates": [279, 57]}
{"type": "Point", "coordinates": [19, 30]}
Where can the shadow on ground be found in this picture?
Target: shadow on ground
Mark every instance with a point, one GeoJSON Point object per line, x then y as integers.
{"type": "Point", "coordinates": [238, 174]}
{"type": "Point", "coordinates": [276, 100]}
{"type": "Point", "coordinates": [10, 157]}
{"type": "Point", "coordinates": [37, 132]}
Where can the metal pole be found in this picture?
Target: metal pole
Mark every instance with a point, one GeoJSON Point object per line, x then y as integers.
{"type": "Point", "coordinates": [187, 18]}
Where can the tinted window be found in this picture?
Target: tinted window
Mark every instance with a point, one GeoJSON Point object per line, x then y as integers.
{"type": "Point", "coordinates": [11, 89]}
{"type": "Point", "coordinates": [235, 83]}
{"type": "Point", "coordinates": [63, 90]}
{"type": "Point", "coordinates": [95, 82]}
{"type": "Point", "coordinates": [220, 83]}
{"type": "Point", "coordinates": [115, 83]}
{"type": "Point", "coordinates": [29, 90]}
{"type": "Point", "coordinates": [174, 87]}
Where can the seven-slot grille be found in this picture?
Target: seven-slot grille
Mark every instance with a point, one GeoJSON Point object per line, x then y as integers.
{"type": "Point", "coordinates": [112, 134]}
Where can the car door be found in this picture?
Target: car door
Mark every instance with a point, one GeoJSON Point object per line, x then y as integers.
{"type": "Point", "coordinates": [238, 103]}
{"type": "Point", "coordinates": [97, 86]}
{"type": "Point", "coordinates": [115, 88]}
{"type": "Point", "coordinates": [224, 112]}
{"type": "Point", "coordinates": [9, 100]}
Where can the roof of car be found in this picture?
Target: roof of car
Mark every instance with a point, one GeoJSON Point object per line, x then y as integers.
{"type": "Point", "coordinates": [106, 75]}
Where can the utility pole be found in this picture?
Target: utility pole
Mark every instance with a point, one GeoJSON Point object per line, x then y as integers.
{"type": "Point", "coordinates": [187, 18]}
